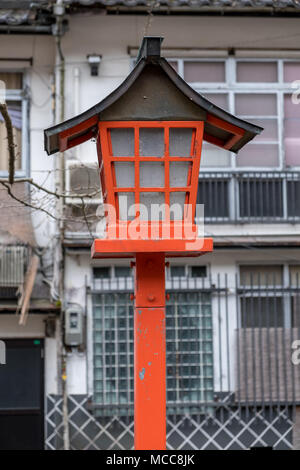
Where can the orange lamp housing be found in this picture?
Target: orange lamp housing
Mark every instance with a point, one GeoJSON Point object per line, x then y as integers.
{"type": "Point", "coordinates": [149, 135]}
{"type": "Point", "coordinates": [149, 175]}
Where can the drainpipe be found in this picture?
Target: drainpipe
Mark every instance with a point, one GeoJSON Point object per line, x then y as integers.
{"type": "Point", "coordinates": [58, 31]}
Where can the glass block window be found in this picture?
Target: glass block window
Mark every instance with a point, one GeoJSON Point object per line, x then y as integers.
{"type": "Point", "coordinates": [189, 349]}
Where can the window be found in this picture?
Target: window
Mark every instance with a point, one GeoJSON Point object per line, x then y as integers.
{"type": "Point", "coordinates": [102, 272]}
{"type": "Point", "coordinates": [12, 84]}
{"type": "Point", "coordinates": [261, 300]}
{"type": "Point", "coordinates": [261, 275]}
{"type": "Point", "coordinates": [189, 349]}
{"type": "Point", "coordinates": [204, 71]}
{"type": "Point", "coordinates": [253, 90]}
{"type": "Point", "coordinates": [122, 271]}
{"type": "Point", "coordinates": [108, 272]}
{"type": "Point", "coordinates": [262, 312]}
{"type": "Point", "coordinates": [256, 72]}
{"type": "Point", "coordinates": [198, 271]}
{"type": "Point", "coordinates": [260, 109]}
{"type": "Point", "coordinates": [177, 271]}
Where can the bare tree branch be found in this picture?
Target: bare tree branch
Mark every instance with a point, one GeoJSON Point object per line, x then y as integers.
{"type": "Point", "coordinates": [26, 204]}
{"type": "Point", "coordinates": [11, 145]}
{"type": "Point", "coordinates": [51, 193]}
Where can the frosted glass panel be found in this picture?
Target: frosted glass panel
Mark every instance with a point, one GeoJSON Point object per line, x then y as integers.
{"type": "Point", "coordinates": [256, 72]}
{"type": "Point", "coordinates": [204, 71]}
{"type": "Point", "coordinates": [255, 104]}
{"type": "Point", "coordinates": [180, 141]}
{"type": "Point", "coordinates": [152, 142]}
{"type": "Point", "coordinates": [291, 117]}
{"type": "Point", "coordinates": [291, 132]}
{"type": "Point", "coordinates": [177, 201]}
{"type": "Point", "coordinates": [152, 203]}
{"type": "Point", "coordinates": [258, 155]}
{"type": "Point", "coordinates": [152, 174]}
{"type": "Point", "coordinates": [270, 131]}
{"type": "Point", "coordinates": [219, 99]}
{"type": "Point", "coordinates": [291, 71]}
{"type": "Point", "coordinates": [179, 174]}
{"type": "Point", "coordinates": [213, 156]}
{"type": "Point", "coordinates": [292, 151]}
{"type": "Point", "coordinates": [124, 174]}
{"type": "Point", "coordinates": [122, 141]}
{"type": "Point", "coordinates": [126, 200]}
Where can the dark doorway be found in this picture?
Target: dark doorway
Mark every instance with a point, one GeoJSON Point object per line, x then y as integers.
{"type": "Point", "coordinates": [22, 395]}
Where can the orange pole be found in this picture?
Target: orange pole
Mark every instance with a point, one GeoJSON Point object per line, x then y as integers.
{"type": "Point", "coordinates": [149, 353]}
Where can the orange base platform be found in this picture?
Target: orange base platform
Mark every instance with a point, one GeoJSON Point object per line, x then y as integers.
{"type": "Point", "coordinates": [121, 248]}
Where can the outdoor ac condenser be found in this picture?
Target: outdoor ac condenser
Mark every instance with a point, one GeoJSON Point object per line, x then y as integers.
{"type": "Point", "coordinates": [12, 265]}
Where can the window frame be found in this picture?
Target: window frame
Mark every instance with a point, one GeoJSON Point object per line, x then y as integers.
{"type": "Point", "coordinates": [22, 96]}
{"type": "Point", "coordinates": [231, 87]}
{"type": "Point", "coordinates": [264, 291]}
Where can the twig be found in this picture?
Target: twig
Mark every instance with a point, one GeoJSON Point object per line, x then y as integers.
{"type": "Point", "coordinates": [26, 204]}
{"type": "Point", "coordinates": [85, 218]}
{"type": "Point", "coordinates": [51, 193]}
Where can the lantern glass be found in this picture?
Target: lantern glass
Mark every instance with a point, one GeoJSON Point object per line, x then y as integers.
{"type": "Point", "coordinates": [122, 142]}
{"type": "Point", "coordinates": [154, 206]}
{"type": "Point", "coordinates": [151, 142]}
{"type": "Point", "coordinates": [152, 175]}
{"type": "Point", "coordinates": [179, 172]}
{"type": "Point", "coordinates": [124, 174]}
{"type": "Point", "coordinates": [177, 200]}
{"type": "Point", "coordinates": [180, 141]}
{"type": "Point", "coordinates": [126, 201]}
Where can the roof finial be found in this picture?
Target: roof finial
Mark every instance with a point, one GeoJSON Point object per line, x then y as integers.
{"type": "Point", "coordinates": [150, 48]}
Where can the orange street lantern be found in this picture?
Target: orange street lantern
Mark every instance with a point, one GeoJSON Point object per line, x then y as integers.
{"type": "Point", "coordinates": [149, 135]}
{"type": "Point", "coordinates": [149, 174]}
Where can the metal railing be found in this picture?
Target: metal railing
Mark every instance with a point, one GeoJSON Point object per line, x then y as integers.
{"type": "Point", "coordinates": [228, 344]}
{"type": "Point", "coordinates": [245, 197]}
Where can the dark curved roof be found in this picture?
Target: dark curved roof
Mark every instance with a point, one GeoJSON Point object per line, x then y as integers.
{"type": "Point", "coordinates": [221, 128]}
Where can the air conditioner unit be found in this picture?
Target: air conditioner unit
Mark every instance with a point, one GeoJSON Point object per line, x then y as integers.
{"type": "Point", "coordinates": [12, 265]}
{"type": "Point", "coordinates": [82, 178]}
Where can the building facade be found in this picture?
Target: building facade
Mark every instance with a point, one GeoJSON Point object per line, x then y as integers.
{"type": "Point", "coordinates": [233, 319]}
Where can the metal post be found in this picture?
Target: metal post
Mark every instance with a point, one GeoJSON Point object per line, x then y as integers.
{"type": "Point", "coordinates": [149, 353]}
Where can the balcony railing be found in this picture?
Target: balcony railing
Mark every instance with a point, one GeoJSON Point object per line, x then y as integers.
{"type": "Point", "coordinates": [245, 197]}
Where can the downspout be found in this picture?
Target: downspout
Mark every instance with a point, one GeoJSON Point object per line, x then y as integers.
{"type": "Point", "coordinates": [59, 11]}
